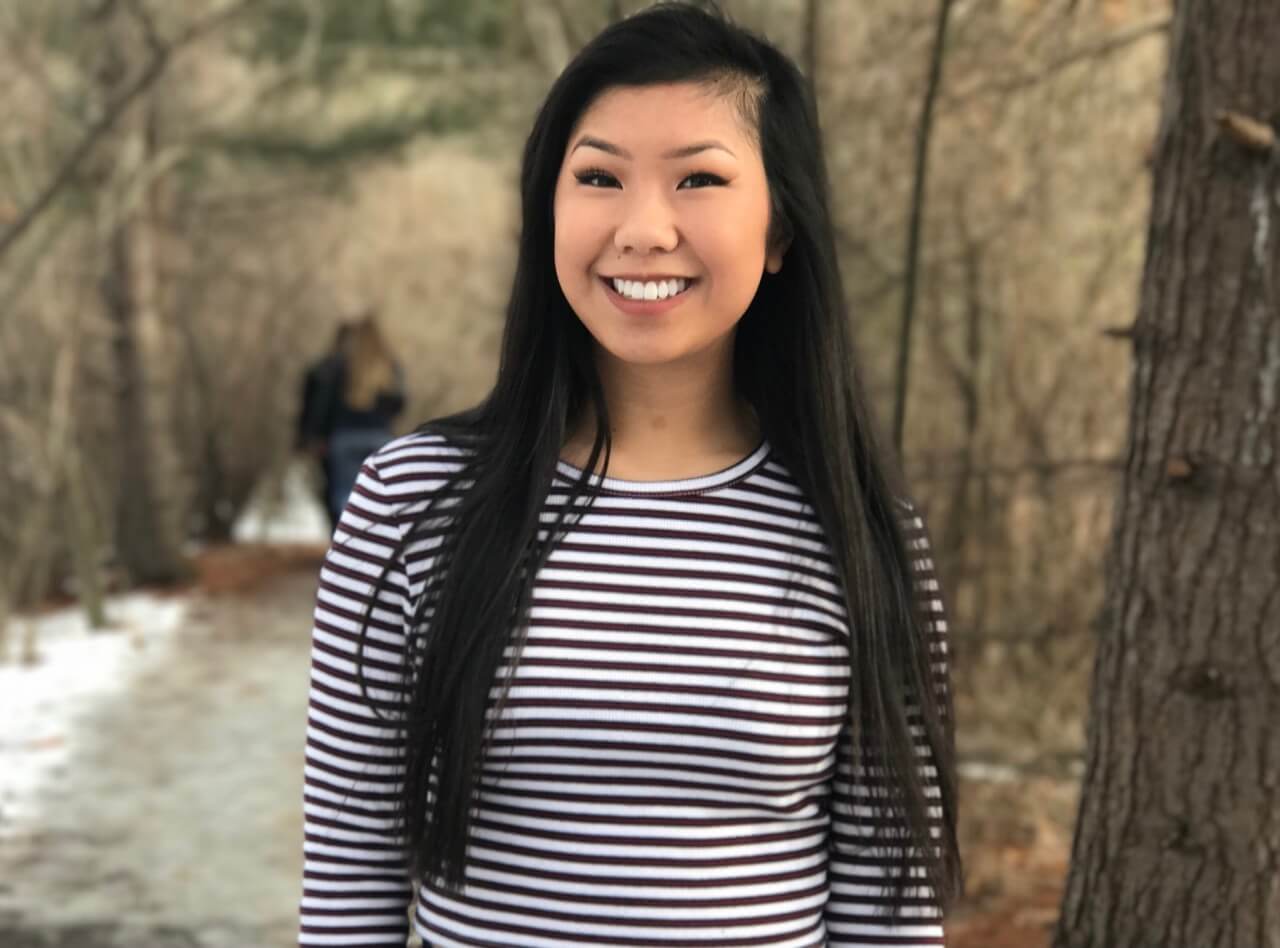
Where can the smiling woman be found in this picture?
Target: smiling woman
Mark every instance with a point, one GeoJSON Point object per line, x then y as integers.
{"type": "Point", "coordinates": [664, 183]}
{"type": "Point", "coordinates": [647, 648]}
{"type": "Point", "coordinates": [642, 198]}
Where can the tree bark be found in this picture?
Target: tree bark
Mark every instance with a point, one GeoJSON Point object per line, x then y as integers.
{"type": "Point", "coordinates": [147, 533]}
{"type": "Point", "coordinates": [809, 42]}
{"type": "Point", "coordinates": [151, 505]}
{"type": "Point", "coordinates": [1177, 843]}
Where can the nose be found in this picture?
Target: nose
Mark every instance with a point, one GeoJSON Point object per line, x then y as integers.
{"type": "Point", "coordinates": [647, 225]}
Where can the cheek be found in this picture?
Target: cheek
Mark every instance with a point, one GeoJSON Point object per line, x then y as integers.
{"type": "Point", "coordinates": [733, 251]}
{"type": "Point", "coordinates": [573, 232]}
{"type": "Point", "coordinates": [566, 247]}
{"type": "Point", "coordinates": [735, 259]}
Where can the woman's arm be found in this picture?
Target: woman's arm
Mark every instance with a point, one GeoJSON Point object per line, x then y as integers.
{"type": "Point", "coordinates": [853, 916]}
{"type": "Point", "coordinates": [356, 889]}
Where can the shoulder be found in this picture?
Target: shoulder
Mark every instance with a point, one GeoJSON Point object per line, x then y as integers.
{"type": "Point", "coordinates": [408, 470]}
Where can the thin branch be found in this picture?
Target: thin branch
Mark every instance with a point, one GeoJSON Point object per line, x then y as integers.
{"type": "Point", "coordinates": [1099, 50]}
{"type": "Point", "coordinates": [915, 227]}
{"type": "Point", "coordinates": [73, 161]}
{"type": "Point", "coordinates": [809, 56]}
{"type": "Point", "coordinates": [148, 24]}
{"type": "Point", "coordinates": [161, 57]}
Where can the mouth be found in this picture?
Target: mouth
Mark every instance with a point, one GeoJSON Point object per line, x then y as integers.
{"type": "Point", "coordinates": [633, 292]}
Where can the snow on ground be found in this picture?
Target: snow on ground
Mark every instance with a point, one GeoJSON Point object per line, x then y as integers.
{"type": "Point", "coordinates": [151, 772]}
{"type": "Point", "coordinates": [284, 511]}
{"type": "Point", "coordinates": [174, 820]}
{"type": "Point", "coordinates": [77, 670]}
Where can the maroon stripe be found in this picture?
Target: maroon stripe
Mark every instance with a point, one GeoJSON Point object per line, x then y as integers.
{"type": "Point", "coordinates": [527, 682]}
{"type": "Point", "coordinates": [841, 677]}
{"type": "Point", "coordinates": [656, 727]}
{"type": "Point", "coordinates": [542, 874]}
{"type": "Point", "coordinates": [609, 765]}
{"type": "Point", "coordinates": [652, 749]}
{"type": "Point", "coordinates": [674, 648]}
{"type": "Point", "coordinates": [738, 557]}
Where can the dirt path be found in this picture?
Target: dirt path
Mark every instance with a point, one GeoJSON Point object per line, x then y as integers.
{"type": "Point", "coordinates": [177, 822]}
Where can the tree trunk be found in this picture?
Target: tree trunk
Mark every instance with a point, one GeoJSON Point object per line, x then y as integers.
{"type": "Point", "coordinates": [809, 42]}
{"type": "Point", "coordinates": [151, 503]}
{"type": "Point", "coordinates": [1177, 843]}
{"type": "Point", "coordinates": [148, 539]}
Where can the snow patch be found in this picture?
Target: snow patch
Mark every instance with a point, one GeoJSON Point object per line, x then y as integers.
{"type": "Point", "coordinates": [283, 510]}
{"type": "Point", "coordinates": [45, 706]}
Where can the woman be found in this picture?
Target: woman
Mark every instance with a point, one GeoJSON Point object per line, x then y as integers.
{"type": "Point", "coordinates": [368, 395]}
{"type": "Point", "coordinates": [645, 649]}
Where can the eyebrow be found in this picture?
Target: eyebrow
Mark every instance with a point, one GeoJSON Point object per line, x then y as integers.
{"type": "Point", "coordinates": [683, 152]}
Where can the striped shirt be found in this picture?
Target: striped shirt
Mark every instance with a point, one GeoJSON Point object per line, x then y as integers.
{"type": "Point", "coordinates": [663, 771]}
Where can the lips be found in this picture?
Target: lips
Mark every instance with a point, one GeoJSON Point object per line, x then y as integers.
{"type": "Point", "coordinates": [690, 283]}
{"type": "Point", "coordinates": [651, 278]}
{"type": "Point", "coordinates": [644, 307]}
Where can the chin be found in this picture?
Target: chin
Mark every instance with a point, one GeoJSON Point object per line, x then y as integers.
{"type": "Point", "coordinates": [642, 355]}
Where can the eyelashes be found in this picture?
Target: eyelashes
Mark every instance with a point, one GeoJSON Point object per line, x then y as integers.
{"type": "Point", "coordinates": [713, 179]}
{"type": "Point", "coordinates": [593, 174]}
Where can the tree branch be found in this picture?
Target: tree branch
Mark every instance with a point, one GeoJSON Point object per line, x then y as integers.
{"type": "Point", "coordinates": [1104, 47]}
{"type": "Point", "coordinates": [162, 54]}
{"type": "Point", "coordinates": [915, 227]}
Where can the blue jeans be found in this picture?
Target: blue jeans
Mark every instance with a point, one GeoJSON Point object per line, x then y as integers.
{"type": "Point", "coordinates": [348, 447]}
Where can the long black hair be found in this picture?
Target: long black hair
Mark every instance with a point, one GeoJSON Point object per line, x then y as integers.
{"type": "Point", "coordinates": [793, 362]}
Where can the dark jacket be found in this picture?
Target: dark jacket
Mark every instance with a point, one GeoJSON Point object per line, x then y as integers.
{"type": "Point", "coordinates": [324, 409]}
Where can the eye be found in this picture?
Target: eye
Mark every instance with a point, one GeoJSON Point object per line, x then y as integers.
{"type": "Point", "coordinates": [593, 174]}
{"type": "Point", "coordinates": [712, 179]}
{"type": "Point", "coordinates": [598, 178]}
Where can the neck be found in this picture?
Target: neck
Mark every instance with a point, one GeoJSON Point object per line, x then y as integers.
{"type": "Point", "coordinates": [668, 421]}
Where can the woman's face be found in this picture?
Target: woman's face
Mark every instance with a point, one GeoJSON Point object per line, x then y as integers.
{"type": "Point", "coordinates": [661, 182]}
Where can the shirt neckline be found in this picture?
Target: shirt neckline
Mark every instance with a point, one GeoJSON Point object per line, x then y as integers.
{"type": "Point", "coordinates": [686, 485]}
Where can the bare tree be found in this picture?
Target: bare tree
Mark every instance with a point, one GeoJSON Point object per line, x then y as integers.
{"type": "Point", "coordinates": [125, 92]}
{"type": "Point", "coordinates": [1177, 842]}
{"type": "Point", "coordinates": [150, 516]}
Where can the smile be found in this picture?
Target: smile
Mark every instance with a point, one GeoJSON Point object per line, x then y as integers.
{"type": "Point", "coordinates": [647, 299]}
{"type": "Point", "coordinates": [651, 290]}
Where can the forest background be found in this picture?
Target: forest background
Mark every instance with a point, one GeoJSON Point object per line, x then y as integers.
{"type": "Point", "coordinates": [193, 195]}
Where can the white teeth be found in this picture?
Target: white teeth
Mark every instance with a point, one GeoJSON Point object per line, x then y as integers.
{"type": "Point", "coordinates": [659, 290]}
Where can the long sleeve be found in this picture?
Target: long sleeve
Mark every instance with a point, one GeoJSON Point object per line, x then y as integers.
{"type": "Point", "coordinates": [853, 916]}
{"type": "Point", "coordinates": [356, 889]}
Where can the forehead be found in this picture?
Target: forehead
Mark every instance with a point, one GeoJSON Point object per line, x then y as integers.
{"type": "Point", "coordinates": [654, 117]}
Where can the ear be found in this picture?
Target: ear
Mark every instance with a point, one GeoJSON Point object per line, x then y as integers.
{"type": "Point", "coordinates": [773, 258]}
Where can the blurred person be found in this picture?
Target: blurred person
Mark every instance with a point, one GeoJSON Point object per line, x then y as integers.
{"type": "Point", "coordinates": [647, 647]}
{"type": "Point", "coordinates": [365, 393]}
{"type": "Point", "coordinates": [321, 389]}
